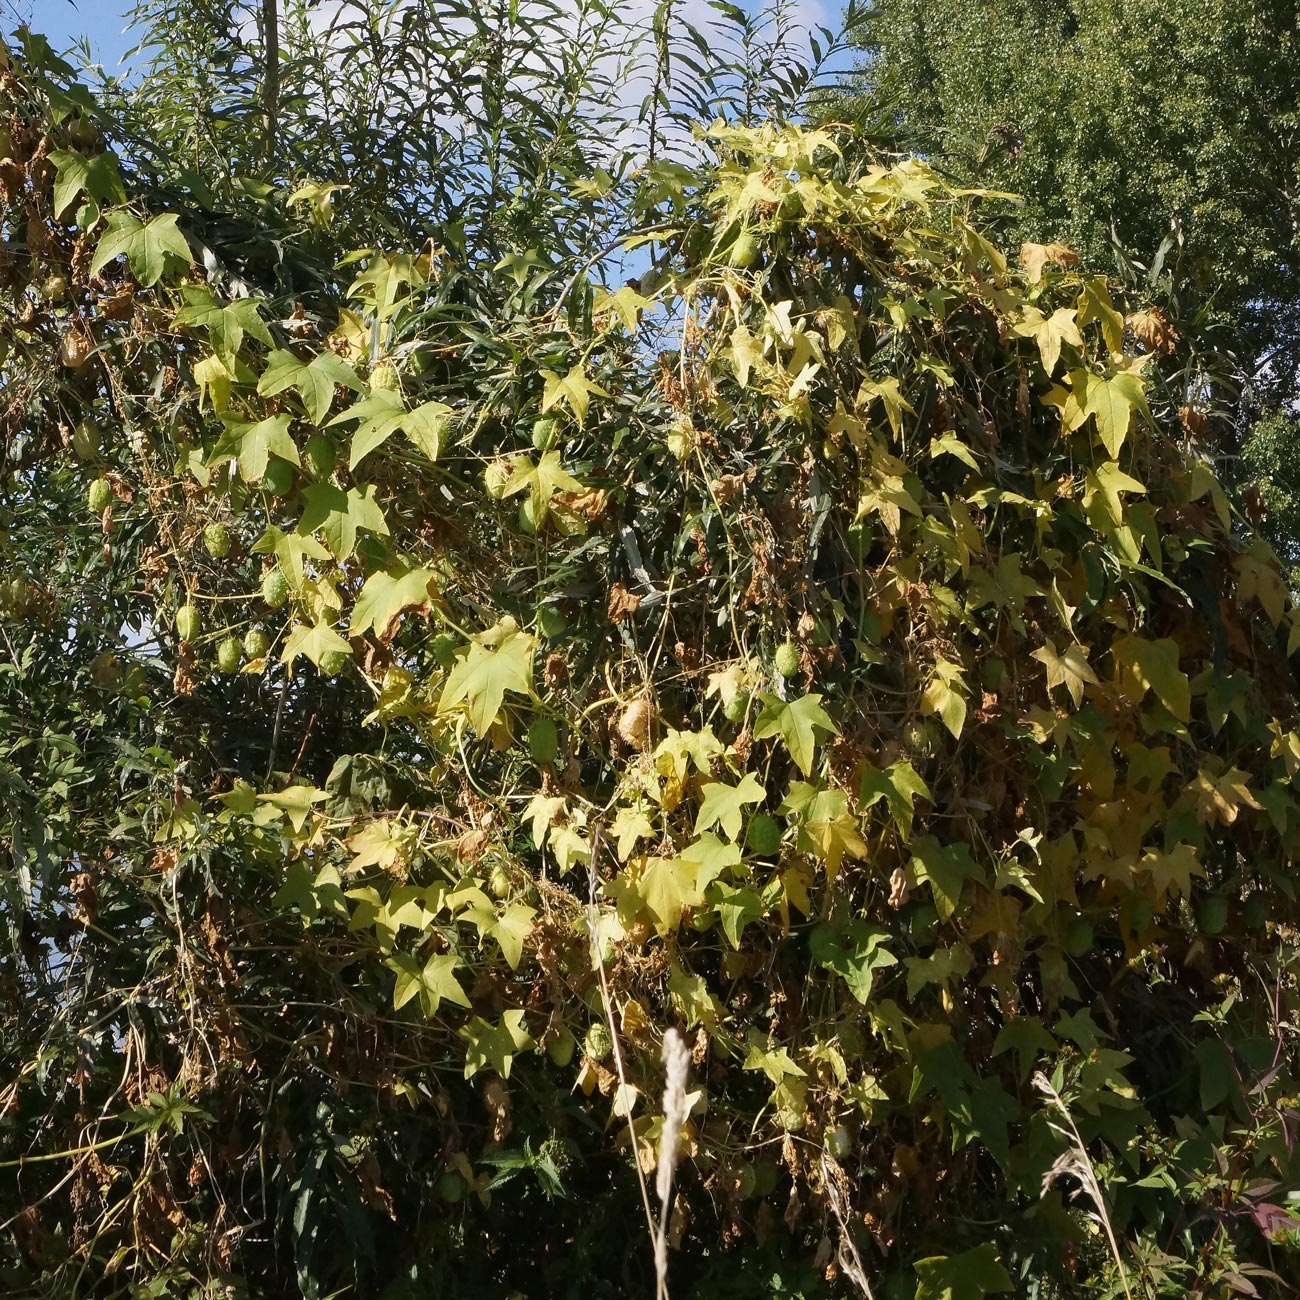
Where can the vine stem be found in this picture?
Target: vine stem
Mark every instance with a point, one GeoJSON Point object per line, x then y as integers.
{"type": "Point", "coordinates": [63, 1155]}
{"type": "Point", "coordinates": [607, 1003]}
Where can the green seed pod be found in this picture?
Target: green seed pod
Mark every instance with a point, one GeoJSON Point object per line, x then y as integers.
{"type": "Point", "coordinates": [256, 643]}
{"type": "Point", "coordinates": [98, 495]}
{"type": "Point", "coordinates": [55, 288]}
{"type": "Point", "coordinates": [543, 741]}
{"type": "Point", "coordinates": [763, 835]}
{"type": "Point", "coordinates": [551, 621]}
{"type": "Point", "coordinates": [839, 1141]}
{"type": "Point", "coordinates": [319, 456]}
{"type": "Point", "coordinates": [188, 622]}
{"type": "Point", "coordinates": [85, 440]}
{"type": "Point", "coordinates": [451, 1187]}
{"type": "Point", "coordinates": [744, 252]}
{"type": "Point", "coordinates": [216, 540]}
{"type": "Point", "coordinates": [598, 1044]}
{"type": "Point", "coordinates": [791, 208]}
{"type": "Point", "coordinates": [735, 708]}
{"type": "Point", "coordinates": [544, 431]}
{"type": "Point", "coordinates": [561, 1048]}
{"type": "Point", "coordinates": [228, 655]}
{"type": "Point", "coordinates": [499, 883]}
{"type": "Point", "coordinates": [333, 662]}
{"type": "Point", "coordinates": [275, 589]}
{"type": "Point", "coordinates": [787, 659]}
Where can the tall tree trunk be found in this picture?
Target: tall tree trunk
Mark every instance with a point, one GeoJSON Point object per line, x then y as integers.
{"type": "Point", "coordinates": [270, 78]}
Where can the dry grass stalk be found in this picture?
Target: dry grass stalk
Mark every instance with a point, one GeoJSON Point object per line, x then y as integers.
{"type": "Point", "coordinates": [1075, 1163]}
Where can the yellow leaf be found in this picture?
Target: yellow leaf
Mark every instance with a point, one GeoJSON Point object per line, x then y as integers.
{"type": "Point", "coordinates": [1143, 665]}
{"type": "Point", "coordinates": [1259, 578]}
{"type": "Point", "coordinates": [1102, 489]}
{"type": "Point", "coordinates": [1069, 669]}
{"type": "Point", "coordinates": [1172, 871]}
{"type": "Point", "coordinates": [1095, 304]}
{"type": "Point", "coordinates": [574, 389]}
{"type": "Point", "coordinates": [945, 695]}
{"type": "Point", "coordinates": [1050, 332]}
{"type": "Point", "coordinates": [1218, 798]}
{"type": "Point", "coordinates": [1033, 257]}
{"type": "Point", "coordinates": [626, 304]}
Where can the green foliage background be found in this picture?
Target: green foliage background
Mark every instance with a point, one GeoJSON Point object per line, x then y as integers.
{"type": "Point", "coordinates": [1160, 138]}
{"type": "Point", "coordinates": [828, 644]}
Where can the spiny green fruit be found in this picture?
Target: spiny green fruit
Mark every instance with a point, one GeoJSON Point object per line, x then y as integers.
{"type": "Point", "coordinates": [275, 589]}
{"type": "Point", "coordinates": [744, 252]}
{"type": "Point", "coordinates": [561, 1048]}
{"type": "Point", "coordinates": [333, 662]}
{"type": "Point", "coordinates": [598, 1044]}
{"type": "Point", "coordinates": [544, 431]}
{"type": "Point", "coordinates": [551, 621]}
{"type": "Point", "coordinates": [451, 1187]}
{"type": "Point", "coordinates": [55, 288]}
{"type": "Point", "coordinates": [543, 740]}
{"type": "Point", "coordinates": [278, 478]}
{"type": "Point", "coordinates": [98, 495]}
{"type": "Point", "coordinates": [735, 708]}
{"type": "Point", "coordinates": [188, 622]}
{"type": "Point", "coordinates": [256, 643]}
{"type": "Point", "coordinates": [444, 649]}
{"type": "Point", "coordinates": [1079, 937]}
{"type": "Point", "coordinates": [1212, 914]}
{"type": "Point", "coordinates": [85, 440]}
{"type": "Point", "coordinates": [499, 883]}
{"type": "Point", "coordinates": [384, 375]}
{"type": "Point", "coordinates": [216, 540]}
{"type": "Point", "coordinates": [319, 456]}
{"type": "Point", "coordinates": [228, 654]}
{"type": "Point", "coordinates": [763, 835]}
{"type": "Point", "coordinates": [787, 659]}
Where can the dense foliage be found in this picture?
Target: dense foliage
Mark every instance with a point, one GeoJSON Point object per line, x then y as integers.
{"type": "Point", "coordinates": [432, 672]}
{"type": "Point", "coordinates": [1164, 135]}
{"type": "Point", "coordinates": [1111, 117]}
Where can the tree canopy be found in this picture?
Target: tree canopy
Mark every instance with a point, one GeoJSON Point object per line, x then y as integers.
{"type": "Point", "coordinates": [437, 673]}
{"type": "Point", "coordinates": [1159, 136]}
{"type": "Point", "coordinates": [1104, 116]}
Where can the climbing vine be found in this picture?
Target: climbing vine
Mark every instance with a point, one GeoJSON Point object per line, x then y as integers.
{"type": "Point", "coordinates": [427, 683]}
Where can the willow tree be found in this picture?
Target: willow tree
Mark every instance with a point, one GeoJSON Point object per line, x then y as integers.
{"type": "Point", "coordinates": [432, 681]}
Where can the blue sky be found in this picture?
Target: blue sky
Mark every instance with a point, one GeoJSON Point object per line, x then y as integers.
{"type": "Point", "coordinates": [63, 22]}
{"type": "Point", "coordinates": [102, 21]}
